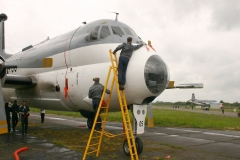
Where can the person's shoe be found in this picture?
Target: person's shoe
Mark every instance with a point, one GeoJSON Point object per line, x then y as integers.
{"type": "Point", "coordinates": [121, 87]}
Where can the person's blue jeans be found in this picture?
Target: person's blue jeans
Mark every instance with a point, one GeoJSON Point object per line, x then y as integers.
{"type": "Point", "coordinates": [95, 103]}
{"type": "Point", "coordinates": [122, 68]}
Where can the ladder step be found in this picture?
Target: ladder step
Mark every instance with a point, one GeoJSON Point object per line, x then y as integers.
{"type": "Point", "coordinates": [96, 137]}
{"type": "Point", "coordinates": [93, 144]}
{"type": "Point", "coordinates": [99, 122]}
{"type": "Point", "coordinates": [103, 107]}
{"type": "Point", "coordinates": [132, 145]}
{"type": "Point", "coordinates": [92, 152]}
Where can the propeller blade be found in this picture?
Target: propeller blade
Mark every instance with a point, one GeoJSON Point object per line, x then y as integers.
{"type": "Point", "coordinates": [3, 122]}
{"type": "Point", "coordinates": [30, 63]}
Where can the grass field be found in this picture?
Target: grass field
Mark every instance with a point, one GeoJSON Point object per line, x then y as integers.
{"type": "Point", "coordinates": [173, 118]}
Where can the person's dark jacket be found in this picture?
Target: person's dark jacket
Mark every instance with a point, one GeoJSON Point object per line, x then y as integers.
{"type": "Point", "coordinates": [15, 108]}
{"type": "Point", "coordinates": [7, 111]}
{"type": "Point", "coordinates": [96, 90]}
{"type": "Point", "coordinates": [127, 49]}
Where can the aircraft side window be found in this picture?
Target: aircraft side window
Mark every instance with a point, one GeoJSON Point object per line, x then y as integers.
{"type": "Point", "coordinates": [94, 34]}
{"type": "Point", "coordinates": [117, 31]}
{"type": "Point", "coordinates": [105, 32]}
{"type": "Point", "coordinates": [127, 31]}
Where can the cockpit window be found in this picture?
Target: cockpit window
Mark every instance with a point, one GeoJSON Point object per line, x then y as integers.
{"type": "Point", "coordinates": [128, 32]}
{"type": "Point", "coordinates": [117, 31]}
{"type": "Point", "coordinates": [105, 32]}
{"type": "Point", "coordinates": [87, 34]}
{"type": "Point", "coordinates": [94, 34]}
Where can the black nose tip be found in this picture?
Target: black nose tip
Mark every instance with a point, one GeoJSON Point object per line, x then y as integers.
{"type": "Point", "coordinates": [155, 73]}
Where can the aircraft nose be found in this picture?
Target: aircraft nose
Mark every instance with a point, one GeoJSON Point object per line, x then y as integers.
{"type": "Point", "coordinates": [156, 74]}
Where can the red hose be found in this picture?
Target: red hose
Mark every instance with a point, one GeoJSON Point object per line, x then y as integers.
{"type": "Point", "coordinates": [15, 155]}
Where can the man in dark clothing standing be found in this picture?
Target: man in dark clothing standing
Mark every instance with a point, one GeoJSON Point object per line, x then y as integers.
{"type": "Point", "coordinates": [7, 111]}
{"type": "Point", "coordinates": [95, 93]}
{"type": "Point", "coordinates": [15, 111]}
{"type": "Point", "coordinates": [42, 115]}
{"type": "Point", "coordinates": [24, 111]}
{"type": "Point", "coordinates": [125, 55]}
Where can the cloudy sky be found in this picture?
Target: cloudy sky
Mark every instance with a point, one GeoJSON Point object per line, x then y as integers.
{"type": "Point", "coordinates": [199, 40]}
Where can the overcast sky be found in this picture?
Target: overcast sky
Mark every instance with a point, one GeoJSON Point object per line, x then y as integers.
{"type": "Point", "coordinates": [199, 40]}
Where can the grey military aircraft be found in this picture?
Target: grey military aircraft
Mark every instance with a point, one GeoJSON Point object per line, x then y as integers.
{"type": "Point", "coordinates": [201, 102]}
{"type": "Point", "coordinates": [56, 73]}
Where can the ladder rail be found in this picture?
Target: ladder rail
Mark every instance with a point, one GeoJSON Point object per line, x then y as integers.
{"type": "Point", "coordinates": [95, 120]}
{"type": "Point", "coordinates": [106, 110]}
{"type": "Point", "coordinates": [124, 111]}
{"type": "Point", "coordinates": [123, 106]}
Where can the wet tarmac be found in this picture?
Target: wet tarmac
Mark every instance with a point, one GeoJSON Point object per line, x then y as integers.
{"type": "Point", "coordinates": [178, 143]}
{"type": "Point", "coordinates": [38, 149]}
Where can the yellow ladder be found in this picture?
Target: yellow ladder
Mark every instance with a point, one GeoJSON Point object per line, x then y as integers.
{"type": "Point", "coordinates": [95, 137]}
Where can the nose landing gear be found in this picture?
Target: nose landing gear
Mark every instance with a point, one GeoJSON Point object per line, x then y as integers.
{"type": "Point", "coordinates": [139, 146]}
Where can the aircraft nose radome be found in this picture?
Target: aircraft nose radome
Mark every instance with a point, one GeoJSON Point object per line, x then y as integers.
{"type": "Point", "coordinates": [147, 77]}
{"type": "Point", "coordinates": [155, 74]}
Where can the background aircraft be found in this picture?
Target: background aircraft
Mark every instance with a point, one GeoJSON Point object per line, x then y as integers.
{"type": "Point", "coordinates": [195, 101]}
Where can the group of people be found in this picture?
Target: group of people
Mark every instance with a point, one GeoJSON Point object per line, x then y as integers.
{"type": "Point", "coordinates": [18, 112]}
{"type": "Point", "coordinates": [96, 90]}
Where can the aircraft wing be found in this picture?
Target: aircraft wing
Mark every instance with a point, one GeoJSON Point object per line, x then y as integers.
{"type": "Point", "coordinates": [184, 86]}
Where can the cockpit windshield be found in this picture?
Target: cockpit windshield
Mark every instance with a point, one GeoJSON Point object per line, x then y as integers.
{"type": "Point", "coordinates": [92, 34]}
{"type": "Point", "coordinates": [105, 32]}
{"type": "Point", "coordinates": [117, 30]}
{"type": "Point", "coordinates": [100, 32]}
{"type": "Point", "coordinates": [128, 32]}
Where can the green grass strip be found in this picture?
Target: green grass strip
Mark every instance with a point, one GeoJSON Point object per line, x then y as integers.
{"type": "Point", "coordinates": [172, 118]}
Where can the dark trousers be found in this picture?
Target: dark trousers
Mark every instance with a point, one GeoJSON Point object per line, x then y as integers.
{"type": "Point", "coordinates": [122, 68]}
{"type": "Point", "coordinates": [95, 103]}
{"type": "Point", "coordinates": [42, 117]}
{"type": "Point", "coordinates": [9, 125]}
{"type": "Point", "coordinates": [14, 120]}
{"type": "Point", "coordinates": [24, 124]}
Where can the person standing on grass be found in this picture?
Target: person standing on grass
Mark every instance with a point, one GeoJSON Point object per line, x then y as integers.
{"type": "Point", "coordinates": [15, 111]}
{"type": "Point", "coordinates": [42, 115]}
{"type": "Point", "coordinates": [24, 111]}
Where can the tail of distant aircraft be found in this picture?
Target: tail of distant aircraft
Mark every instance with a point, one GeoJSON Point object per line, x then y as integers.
{"type": "Point", "coordinates": [3, 54]}
{"type": "Point", "coordinates": [193, 97]}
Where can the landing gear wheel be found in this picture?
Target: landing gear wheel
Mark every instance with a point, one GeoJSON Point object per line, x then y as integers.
{"type": "Point", "coordinates": [90, 123]}
{"type": "Point", "coordinates": [139, 146]}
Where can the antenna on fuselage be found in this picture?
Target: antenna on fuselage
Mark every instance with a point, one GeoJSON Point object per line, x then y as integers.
{"type": "Point", "coordinates": [116, 19]}
{"type": "Point", "coordinates": [84, 22]}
